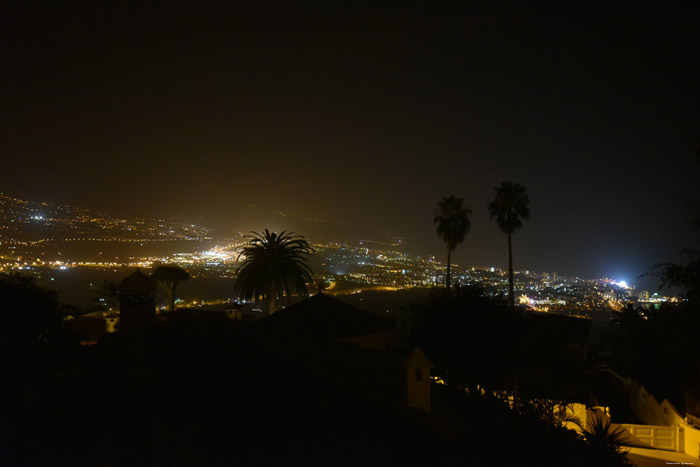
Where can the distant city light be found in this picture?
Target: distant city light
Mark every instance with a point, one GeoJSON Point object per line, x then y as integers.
{"type": "Point", "coordinates": [347, 269]}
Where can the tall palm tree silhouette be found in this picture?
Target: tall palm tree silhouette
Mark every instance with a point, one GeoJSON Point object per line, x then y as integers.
{"type": "Point", "coordinates": [452, 220]}
{"type": "Point", "coordinates": [169, 277]}
{"type": "Point", "coordinates": [509, 207]}
{"type": "Point", "coordinates": [274, 264]}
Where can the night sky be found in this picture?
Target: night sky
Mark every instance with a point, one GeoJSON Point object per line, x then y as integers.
{"type": "Point", "coordinates": [365, 116]}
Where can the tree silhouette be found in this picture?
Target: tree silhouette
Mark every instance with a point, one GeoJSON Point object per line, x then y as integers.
{"type": "Point", "coordinates": [274, 264]}
{"type": "Point", "coordinates": [606, 443]}
{"type": "Point", "coordinates": [169, 277]}
{"type": "Point", "coordinates": [685, 276]}
{"type": "Point", "coordinates": [107, 294]}
{"type": "Point", "coordinates": [509, 207]}
{"type": "Point", "coordinates": [452, 220]}
{"type": "Point", "coordinates": [32, 314]}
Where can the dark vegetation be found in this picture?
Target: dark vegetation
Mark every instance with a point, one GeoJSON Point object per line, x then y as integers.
{"type": "Point", "coordinates": [218, 392]}
{"type": "Point", "coordinates": [205, 393]}
{"type": "Point", "coordinates": [169, 277]}
{"type": "Point", "coordinates": [274, 265]}
{"type": "Point", "coordinates": [659, 346]}
{"type": "Point", "coordinates": [106, 296]}
{"type": "Point", "coordinates": [475, 340]}
{"type": "Point", "coordinates": [453, 223]}
{"type": "Point", "coordinates": [510, 206]}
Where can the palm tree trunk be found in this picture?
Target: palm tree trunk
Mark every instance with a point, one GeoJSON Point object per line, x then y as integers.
{"type": "Point", "coordinates": [447, 280]}
{"type": "Point", "coordinates": [172, 298]}
{"type": "Point", "coordinates": [272, 302]}
{"type": "Point", "coordinates": [510, 272]}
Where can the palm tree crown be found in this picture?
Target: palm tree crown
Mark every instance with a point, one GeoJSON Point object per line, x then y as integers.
{"type": "Point", "coordinates": [452, 220]}
{"type": "Point", "coordinates": [169, 277]}
{"type": "Point", "coordinates": [509, 207]}
{"type": "Point", "coordinates": [274, 264]}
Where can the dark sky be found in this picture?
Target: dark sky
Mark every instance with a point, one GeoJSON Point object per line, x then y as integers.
{"type": "Point", "coordinates": [365, 116]}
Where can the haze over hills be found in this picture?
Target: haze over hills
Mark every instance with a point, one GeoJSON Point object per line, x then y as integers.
{"type": "Point", "coordinates": [33, 221]}
{"type": "Point", "coordinates": [37, 227]}
{"type": "Point", "coordinates": [47, 239]}
{"type": "Point", "coordinates": [31, 226]}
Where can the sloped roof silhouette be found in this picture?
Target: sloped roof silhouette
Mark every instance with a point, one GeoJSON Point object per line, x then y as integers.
{"type": "Point", "coordinates": [137, 283]}
{"type": "Point", "coordinates": [322, 316]}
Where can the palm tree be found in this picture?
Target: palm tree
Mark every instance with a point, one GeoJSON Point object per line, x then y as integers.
{"type": "Point", "coordinates": [510, 206]}
{"type": "Point", "coordinates": [274, 265]}
{"type": "Point", "coordinates": [169, 277]}
{"type": "Point", "coordinates": [452, 220]}
{"type": "Point", "coordinates": [605, 443]}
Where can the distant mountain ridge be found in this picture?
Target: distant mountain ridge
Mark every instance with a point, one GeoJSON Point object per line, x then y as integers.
{"type": "Point", "coordinates": [28, 222]}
